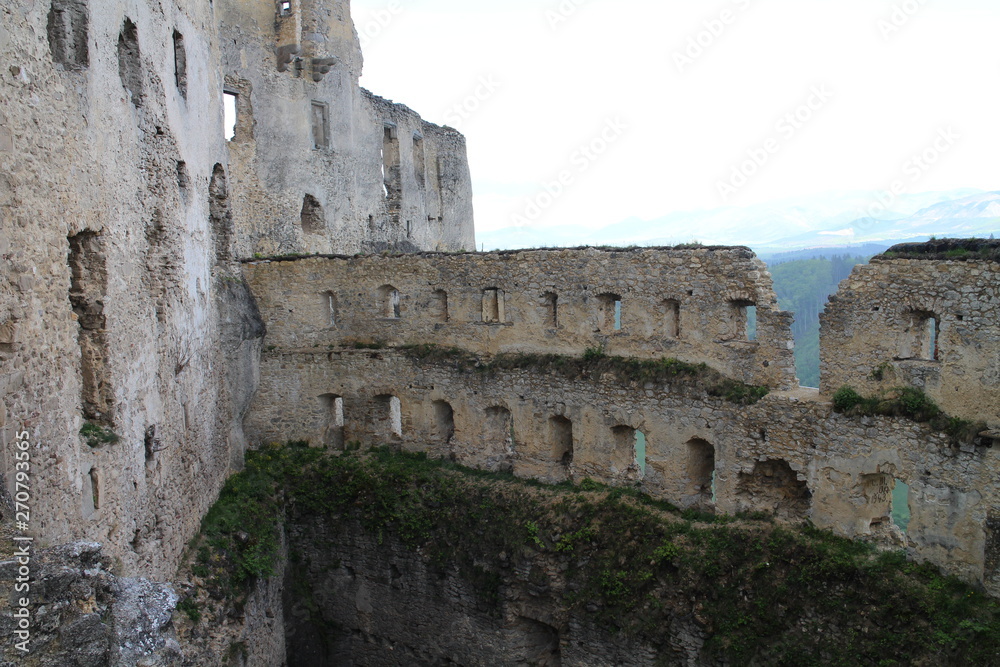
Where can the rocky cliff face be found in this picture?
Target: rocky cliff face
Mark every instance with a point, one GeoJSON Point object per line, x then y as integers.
{"type": "Point", "coordinates": [393, 559]}
{"type": "Point", "coordinates": [82, 614]}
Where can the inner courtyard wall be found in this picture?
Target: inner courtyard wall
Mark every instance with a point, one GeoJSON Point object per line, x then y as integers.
{"type": "Point", "coordinates": [788, 455]}
{"type": "Point", "coordinates": [686, 303]}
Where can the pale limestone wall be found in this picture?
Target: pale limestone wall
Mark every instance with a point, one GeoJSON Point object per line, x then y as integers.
{"type": "Point", "coordinates": [122, 207]}
{"type": "Point", "coordinates": [441, 300]}
{"type": "Point", "coordinates": [879, 320]}
{"type": "Point", "coordinates": [85, 155]}
{"type": "Point", "coordinates": [275, 160]}
{"type": "Point", "coordinates": [788, 454]}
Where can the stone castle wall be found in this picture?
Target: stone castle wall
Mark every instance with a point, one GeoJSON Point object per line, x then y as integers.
{"type": "Point", "coordinates": [690, 304]}
{"type": "Point", "coordinates": [319, 164]}
{"type": "Point", "coordinates": [122, 209]}
{"type": "Point", "coordinates": [932, 324]}
{"type": "Point", "coordinates": [108, 284]}
{"type": "Point", "coordinates": [788, 454]}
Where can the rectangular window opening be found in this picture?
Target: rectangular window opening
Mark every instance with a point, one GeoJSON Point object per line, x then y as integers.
{"type": "Point", "coordinates": [229, 110]}
{"type": "Point", "coordinates": [285, 7]}
{"type": "Point", "coordinates": [901, 505]}
{"type": "Point", "coordinates": [390, 167]}
{"type": "Point", "coordinates": [419, 169]}
{"type": "Point", "coordinates": [550, 302]}
{"type": "Point", "coordinates": [672, 318]}
{"type": "Point", "coordinates": [180, 64]}
{"type": "Point", "coordinates": [320, 125]}
{"type": "Point", "coordinates": [609, 313]}
{"type": "Point", "coordinates": [640, 451]}
{"type": "Point", "coordinates": [493, 306]}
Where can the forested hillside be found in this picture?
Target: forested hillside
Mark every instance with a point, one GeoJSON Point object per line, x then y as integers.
{"type": "Point", "coordinates": [803, 287]}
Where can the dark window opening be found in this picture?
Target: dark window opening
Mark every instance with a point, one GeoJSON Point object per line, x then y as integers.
{"type": "Point", "coordinates": [88, 287]}
{"type": "Point", "coordinates": [67, 32]}
{"type": "Point", "coordinates": [130, 62]}
{"type": "Point", "coordinates": [444, 421]}
{"type": "Point", "coordinates": [419, 168]}
{"type": "Point", "coordinates": [561, 437]}
{"type": "Point", "coordinates": [550, 302]}
{"type": "Point", "coordinates": [312, 217]}
{"type": "Point", "coordinates": [180, 64]}
{"type": "Point", "coordinates": [701, 472]}
{"type": "Point", "coordinates": [183, 179]}
{"type": "Point", "coordinates": [220, 216]}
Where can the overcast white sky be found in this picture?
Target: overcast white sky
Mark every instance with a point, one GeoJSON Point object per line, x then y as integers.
{"type": "Point", "coordinates": [530, 82]}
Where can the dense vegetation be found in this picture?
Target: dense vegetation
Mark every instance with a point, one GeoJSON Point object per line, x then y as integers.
{"type": "Point", "coordinates": [762, 593]}
{"type": "Point", "coordinates": [802, 287]}
{"type": "Point", "coordinates": [911, 403]}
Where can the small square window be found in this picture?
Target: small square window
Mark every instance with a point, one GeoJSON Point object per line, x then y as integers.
{"type": "Point", "coordinates": [285, 7]}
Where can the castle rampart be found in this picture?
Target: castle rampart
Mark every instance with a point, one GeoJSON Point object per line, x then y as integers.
{"type": "Point", "coordinates": [687, 303]}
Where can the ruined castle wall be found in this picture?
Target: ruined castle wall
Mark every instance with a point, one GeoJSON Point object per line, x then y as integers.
{"type": "Point", "coordinates": [122, 209]}
{"type": "Point", "coordinates": [788, 454]}
{"type": "Point", "coordinates": [932, 324]}
{"type": "Point", "coordinates": [109, 308]}
{"type": "Point", "coordinates": [684, 303]}
{"type": "Point", "coordinates": [320, 165]}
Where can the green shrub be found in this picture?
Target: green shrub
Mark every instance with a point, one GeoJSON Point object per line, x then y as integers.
{"type": "Point", "coordinates": [96, 435]}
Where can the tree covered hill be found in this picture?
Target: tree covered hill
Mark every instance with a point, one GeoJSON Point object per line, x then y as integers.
{"type": "Point", "coordinates": [802, 287]}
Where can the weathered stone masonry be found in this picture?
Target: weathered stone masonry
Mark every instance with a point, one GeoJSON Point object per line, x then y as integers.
{"type": "Point", "coordinates": [685, 303]}
{"type": "Point", "coordinates": [122, 207]}
{"type": "Point", "coordinates": [789, 454]}
{"type": "Point", "coordinates": [925, 323]}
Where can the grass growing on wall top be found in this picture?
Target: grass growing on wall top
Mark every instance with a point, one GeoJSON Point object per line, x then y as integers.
{"type": "Point", "coordinates": [595, 364]}
{"type": "Point", "coordinates": [761, 593]}
{"type": "Point", "coordinates": [911, 403]}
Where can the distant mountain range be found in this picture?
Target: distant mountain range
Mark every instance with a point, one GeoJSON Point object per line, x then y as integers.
{"type": "Point", "coordinates": [854, 223]}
